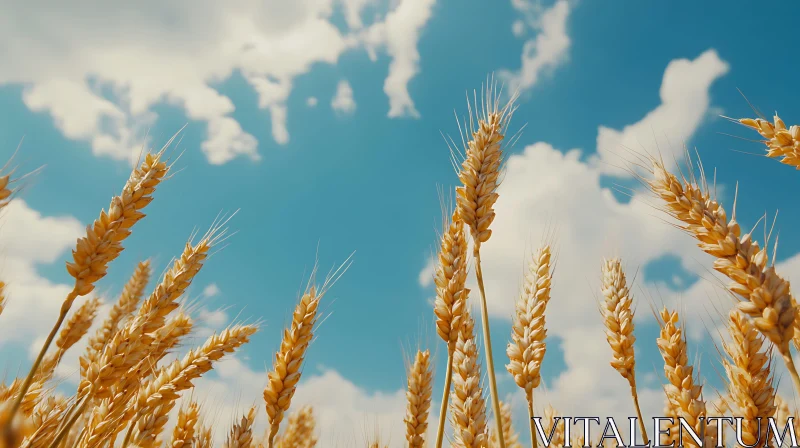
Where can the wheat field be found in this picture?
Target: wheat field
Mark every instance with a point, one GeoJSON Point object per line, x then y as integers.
{"type": "Point", "coordinates": [130, 391]}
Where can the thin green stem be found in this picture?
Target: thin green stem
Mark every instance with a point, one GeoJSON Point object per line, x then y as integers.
{"type": "Point", "coordinates": [487, 342]}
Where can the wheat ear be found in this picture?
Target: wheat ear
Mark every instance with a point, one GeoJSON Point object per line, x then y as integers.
{"type": "Point", "coordinates": [157, 397]}
{"type": "Point", "coordinates": [685, 397]}
{"type": "Point", "coordinates": [767, 296]}
{"type": "Point", "coordinates": [74, 329]}
{"type": "Point", "coordinates": [528, 332]}
{"type": "Point", "coordinates": [552, 428]}
{"type": "Point", "coordinates": [480, 177]}
{"type": "Point", "coordinates": [203, 438]}
{"type": "Point", "coordinates": [103, 243]}
{"type": "Point", "coordinates": [418, 396]}
{"type": "Point", "coordinates": [183, 433]}
{"type": "Point", "coordinates": [300, 430]}
{"type": "Point", "coordinates": [467, 406]}
{"type": "Point", "coordinates": [782, 143]}
{"type": "Point", "coordinates": [15, 427]}
{"type": "Point", "coordinates": [509, 434]}
{"type": "Point", "coordinates": [289, 360]}
{"type": "Point", "coordinates": [125, 306]}
{"type": "Point", "coordinates": [749, 378]}
{"type": "Point", "coordinates": [241, 435]}
{"type": "Point", "coordinates": [451, 275]}
{"type": "Point", "coordinates": [618, 314]}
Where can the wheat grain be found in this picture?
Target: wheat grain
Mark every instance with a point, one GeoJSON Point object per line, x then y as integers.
{"type": "Point", "coordinates": [685, 397]}
{"type": "Point", "coordinates": [286, 369]}
{"type": "Point", "coordinates": [125, 306]}
{"type": "Point", "coordinates": [467, 406]}
{"type": "Point", "coordinates": [767, 296]}
{"type": "Point", "coordinates": [749, 378]}
{"type": "Point", "coordinates": [618, 318]}
{"type": "Point", "coordinates": [782, 143]}
{"type": "Point", "coordinates": [418, 396]}
{"type": "Point", "coordinates": [241, 435]}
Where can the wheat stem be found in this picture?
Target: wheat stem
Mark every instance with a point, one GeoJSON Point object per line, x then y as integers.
{"type": "Point", "coordinates": [639, 413]}
{"type": "Point", "coordinates": [532, 425]}
{"type": "Point", "coordinates": [445, 395]}
{"type": "Point", "coordinates": [487, 342]}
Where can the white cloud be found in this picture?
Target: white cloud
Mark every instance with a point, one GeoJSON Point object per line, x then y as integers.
{"type": "Point", "coordinates": [311, 101]}
{"type": "Point", "coordinates": [684, 104]}
{"type": "Point", "coordinates": [211, 290]}
{"type": "Point", "coordinates": [343, 99]}
{"type": "Point", "coordinates": [400, 33]}
{"type": "Point", "coordinates": [28, 240]}
{"type": "Point", "coordinates": [100, 85]}
{"type": "Point", "coordinates": [547, 50]}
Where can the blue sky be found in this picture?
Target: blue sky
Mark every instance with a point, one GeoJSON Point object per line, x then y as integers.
{"type": "Point", "coordinates": [359, 180]}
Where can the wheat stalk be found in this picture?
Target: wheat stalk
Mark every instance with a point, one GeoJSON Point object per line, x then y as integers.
{"type": "Point", "coordinates": [749, 377]}
{"type": "Point", "coordinates": [782, 143]}
{"type": "Point", "coordinates": [509, 434]}
{"type": "Point", "coordinates": [467, 406]}
{"type": "Point", "coordinates": [527, 347]}
{"type": "Point", "coordinates": [125, 306]}
{"type": "Point", "coordinates": [618, 318]}
{"type": "Point", "coordinates": [103, 243]}
{"type": "Point", "coordinates": [767, 296]}
{"type": "Point", "coordinates": [241, 435]}
{"type": "Point", "coordinates": [451, 275]}
{"type": "Point", "coordinates": [685, 397]}
{"type": "Point", "coordinates": [289, 360]}
{"type": "Point", "coordinates": [418, 396]}
{"type": "Point", "coordinates": [479, 176]}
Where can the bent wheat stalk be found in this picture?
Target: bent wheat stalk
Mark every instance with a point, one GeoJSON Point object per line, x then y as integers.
{"type": "Point", "coordinates": [479, 175]}
{"type": "Point", "coordinates": [103, 243]}
{"type": "Point", "coordinates": [618, 319]}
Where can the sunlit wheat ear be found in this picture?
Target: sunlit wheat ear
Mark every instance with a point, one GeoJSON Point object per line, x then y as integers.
{"type": "Point", "coordinates": [685, 397]}
{"type": "Point", "coordinates": [554, 426]}
{"type": "Point", "coordinates": [183, 433]}
{"type": "Point", "coordinates": [45, 420]}
{"type": "Point", "coordinates": [618, 314]}
{"type": "Point", "coordinates": [467, 406]}
{"type": "Point", "coordinates": [418, 396]}
{"type": "Point", "coordinates": [288, 364]}
{"type": "Point", "coordinates": [73, 330]}
{"type": "Point", "coordinates": [509, 434]}
{"type": "Point", "coordinates": [13, 427]}
{"type": "Point", "coordinates": [300, 430]}
{"type": "Point", "coordinates": [203, 438]}
{"type": "Point", "coordinates": [782, 143]}
{"type": "Point", "coordinates": [156, 398]}
{"type": "Point", "coordinates": [128, 303]}
{"type": "Point", "coordinates": [767, 298]}
{"type": "Point", "coordinates": [241, 435]}
{"type": "Point", "coordinates": [451, 275]}
{"type": "Point", "coordinates": [133, 342]}
{"type": "Point", "coordinates": [749, 377]}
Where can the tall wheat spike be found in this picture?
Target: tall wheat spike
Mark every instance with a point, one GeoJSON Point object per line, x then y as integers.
{"type": "Point", "coordinates": [74, 329]}
{"type": "Point", "coordinates": [618, 318]}
{"type": "Point", "coordinates": [103, 243]}
{"type": "Point", "coordinates": [289, 360]}
{"type": "Point", "coordinates": [749, 378]}
{"type": "Point", "coordinates": [767, 297]}
{"type": "Point", "coordinates": [45, 421]}
{"type": "Point", "coordinates": [480, 177]}
{"type": "Point", "coordinates": [125, 306]}
{"type": "Point", "coordinates": [782, 143]}
{"type": "Point", "coordinates": [684, 396]}
{"type": "Point", "coordinates": [451, 275]}
{"type": "Point", "coordinates": [467, 406]}
{"type": "Point", "coordinates": [418, 396]}
{"type": "Point", "coordinates": [528, 333]}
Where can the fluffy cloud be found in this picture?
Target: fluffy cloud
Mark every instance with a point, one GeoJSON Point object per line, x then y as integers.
{"type": "Point", "coordinates": [100, 70]}
{"type": "Point", "coordinates": [343, 99]}
{"type": "Point", "coordinates": [684, 104]}
{"type": "Point", "coordinates": [547, 50]}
